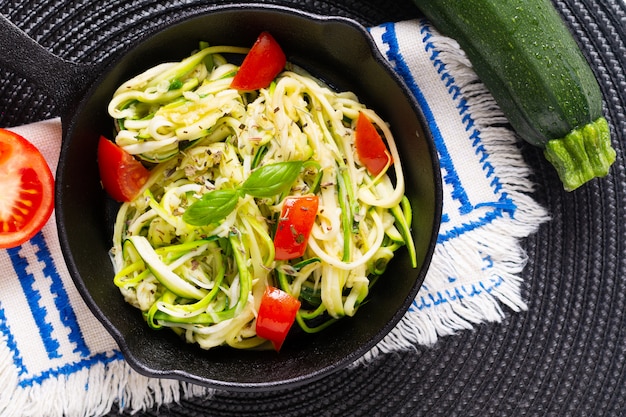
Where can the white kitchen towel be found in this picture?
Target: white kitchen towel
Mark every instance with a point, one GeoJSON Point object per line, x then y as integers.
{"type": "Point", "coordinates": [56, 359]}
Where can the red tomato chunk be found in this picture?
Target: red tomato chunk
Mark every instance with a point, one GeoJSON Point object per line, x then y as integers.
{"type": "Point", "coordinates": [262, 64]}
{"type": "Point", "coordinates": [370, 147]}
{"type": "Point", "coordinates": [122, 175]}
{"type": "Point", "coordinates": [277, 314]}
{"type": "Point", "coordinates": [294, 226]}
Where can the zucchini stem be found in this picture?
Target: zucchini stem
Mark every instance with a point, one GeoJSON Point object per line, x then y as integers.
{"type": "Point", "coordinates": [582, 155]}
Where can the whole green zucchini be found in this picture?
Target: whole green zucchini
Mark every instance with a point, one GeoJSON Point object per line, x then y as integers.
{"type": "Point", "coordinates": [527, 58]}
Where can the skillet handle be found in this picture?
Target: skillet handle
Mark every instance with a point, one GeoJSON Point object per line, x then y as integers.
{"type": "Point", "coordinates": [62, 80]}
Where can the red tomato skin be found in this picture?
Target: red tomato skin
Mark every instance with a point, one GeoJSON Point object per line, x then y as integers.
{"type": "Point", "coordinates": [294, 226]}
{"type": "Point", "coordinates": [370, 147]}
{"type": "Point", "coordinates": [277, 313]}
{"type": "Point", "coordinates": [262, 64]}
{"type": "Point", "coordinates": [122, 176]}
{"type": "Point", "coordinates": [26, 178]}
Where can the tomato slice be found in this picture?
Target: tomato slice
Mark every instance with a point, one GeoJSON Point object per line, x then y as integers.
{"type": "Point", "coordinates": [262, 64]}
{"type": "Point", "coordinates": [122, 175]}
{"type": "Point", "coordinates": [294, 226]}
{"type": "Point", "coordinates": [277, 313]}
{"type": "Point", "coordinates": [370, 147]}
{"type": "Point", "coordinates": [26, 190]}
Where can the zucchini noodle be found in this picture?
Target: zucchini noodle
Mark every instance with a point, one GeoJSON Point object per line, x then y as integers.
{"type": "Point", "coordinates": [198, 135]}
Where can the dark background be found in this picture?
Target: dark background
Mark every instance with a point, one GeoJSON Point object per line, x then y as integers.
{"type": "Point", "coordinates": [565, 356]}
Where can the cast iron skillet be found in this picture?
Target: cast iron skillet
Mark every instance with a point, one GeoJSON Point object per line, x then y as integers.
{"type": "Point", "coordinates": [338, 51]}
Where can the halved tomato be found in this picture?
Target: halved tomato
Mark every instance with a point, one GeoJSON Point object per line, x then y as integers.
{"type": "Point", "coordinates": [26, 190]}
{"type": "Point", "coordinates": [122, 175]}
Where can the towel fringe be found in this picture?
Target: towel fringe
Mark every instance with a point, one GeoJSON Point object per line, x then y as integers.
{"type": "Point", "coordinates": [90, 391]}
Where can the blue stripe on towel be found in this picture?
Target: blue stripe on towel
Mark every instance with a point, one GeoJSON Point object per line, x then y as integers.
{"type": "Point", "coordinates": [430, 300]}
{"type": "Point", "coordinates": [40, 314]}
{"type": "Point", "coordinates": [61, 299]}
{"type": "Point", "coordinates": [502, 204]}
{"type": "Point", "coordinates": [445, 160]}
{"type": "Point", "coordinates": [71, 368]}
{"type": "Point", "coordinates": [11, 343]}
{"type": "Point", "coordinates": [27, 380]}
{"type": "Point", "coordinates": [33, 297]}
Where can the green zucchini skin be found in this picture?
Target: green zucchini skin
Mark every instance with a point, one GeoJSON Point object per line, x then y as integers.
{"type": "Point", "coordinates": [527, 58]}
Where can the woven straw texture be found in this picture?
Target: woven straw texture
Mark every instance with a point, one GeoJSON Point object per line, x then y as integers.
{"type": "Point", "coordinates": [565, 356]}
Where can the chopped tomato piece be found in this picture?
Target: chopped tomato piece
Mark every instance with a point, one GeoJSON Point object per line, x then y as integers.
{"type": "Point", "coordinates": [277, 313]}
{"type": "Point", "coordinates": [370, 147]}
{"type": "Point", "coordinates": [262, 64]}
{"type": "Point", "coordinates": [294, 226]}
{"type": "Point", "coordinates": [122, 175]}
{"type": "Point", "coordinates": [26, 190]}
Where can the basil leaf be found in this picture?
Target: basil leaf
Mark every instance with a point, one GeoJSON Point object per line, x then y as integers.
{"type": "Point", "coordinates": [211, 208]}
{"type": "Point", "coordinates": [270, 180]}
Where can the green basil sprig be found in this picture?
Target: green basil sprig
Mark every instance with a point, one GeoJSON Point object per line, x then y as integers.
{"type": "Point", "coordinates": [212, 207]}
{"type": "Point", "coordinates": [266, 181]}
{"type": "Point", "coordinates": [272, 179]}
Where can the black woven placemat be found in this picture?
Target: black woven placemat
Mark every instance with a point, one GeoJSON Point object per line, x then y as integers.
{"type": "Point", "coordinates": [565, 356]}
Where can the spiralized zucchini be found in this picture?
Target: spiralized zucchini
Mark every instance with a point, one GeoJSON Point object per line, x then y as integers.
{"type": "Point", "coordinates": [206, 282]}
